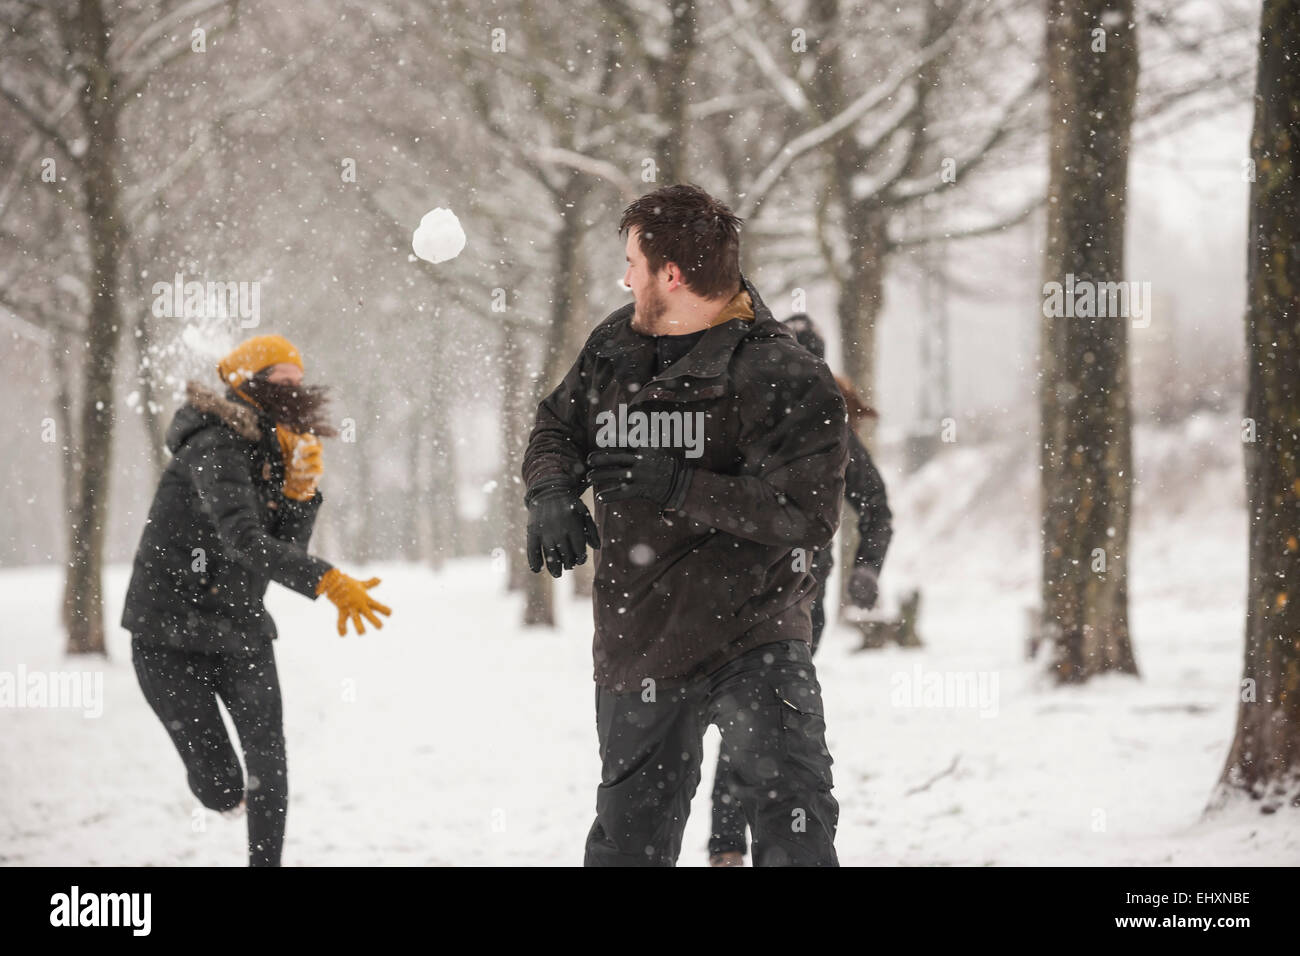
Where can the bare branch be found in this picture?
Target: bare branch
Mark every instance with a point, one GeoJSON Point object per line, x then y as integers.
{"type": "Point", "coordinates": [28, 152]}
{"type": "Point", "coordinates": [1013, 219]}
{"type": "Point", "coordinates": [34, 323]}
{"type": "Point", "coordinates": [728, 102]}
{"type": "Point", "coordinates": [542, 73]}
{"type": "Point", "coordinates": [997, 132]}
{"type": "Point", "coordinates": [36, 119]}
{"type": "Point", "coordinates": [818, 135]}
{"type": "Point", "coordinates": [137, 77]}
{"type": "Point", "coordinates": [1150, 107]}
{"type": "Point", "coordinates": [787, 87]}
{"type": "Point", "coordinates": [599, 168]}
{"type": "Point", "coordinates": [159, 28]}
{"type": "Point", "coordinates": [138, 199]}
{"type": "Point", "coordinates": [952, 767]}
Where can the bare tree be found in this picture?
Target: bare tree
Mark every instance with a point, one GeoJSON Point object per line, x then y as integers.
{"type": "Point", "coordinates": [867, 147]}
{"type": "Point", "coordinates": [1264, 761]}
{"type": "Point", "coordinates": [546, 120]}
{"type": "Point", "coordinates": [110, 62]}
{"type": "Point", "coordinates": [1086, 452]}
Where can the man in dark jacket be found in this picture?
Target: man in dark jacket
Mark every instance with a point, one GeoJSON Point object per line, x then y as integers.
{"type": "Point", "coordinates": [864, 490]}
{"type": "Point", "coordinates": [716, 448]}
{"type": "Point", "coordinates": [234, 511]}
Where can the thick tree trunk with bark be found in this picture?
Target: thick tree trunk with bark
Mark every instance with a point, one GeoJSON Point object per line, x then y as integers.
{"type": "Point", "coordinates": [83, 613]}
{"type": "Point", "coordinates": [1265, 758]}
{"type": "Point", "coordinates": [517, 414]}
{"type": "Point", "coordinates": [60, 359]}
{"type": "Point", "coordinates": [361, 504]}
{"type": "Point", "coordinates": [670, 81]}
{"type": "Point", "coordinates": [1086, 456]}
{"type": "Point", "coordinates": [861, 280]}
{"type": "Point", "coordinates": [539, 594]}
{"type": "Point", "coordinates": [416, 544]}
{"type": "Point", "coordinates": [155, 428]}
{"type": "Point", "coordinates": [861, 298]}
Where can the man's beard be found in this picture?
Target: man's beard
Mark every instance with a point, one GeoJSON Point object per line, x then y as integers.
{"type": "Point", "coordinates": [300, 408]}
{"type": "Point", "coordinates": [646, 316]}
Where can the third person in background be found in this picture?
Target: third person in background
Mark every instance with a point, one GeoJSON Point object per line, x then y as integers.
{"type": "Point", "coordinates": [864, 490]}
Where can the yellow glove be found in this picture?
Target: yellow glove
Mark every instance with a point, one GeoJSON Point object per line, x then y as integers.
{"type": "Point", "coordinates": [303, 466]}
{"type": "Point", "coordinates": [350, 597]}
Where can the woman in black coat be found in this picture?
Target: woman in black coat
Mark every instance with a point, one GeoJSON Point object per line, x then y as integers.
{"type": "Point", "coordinates": [233, 511]}
{"type": "Point", "coordinates": [864, 490]}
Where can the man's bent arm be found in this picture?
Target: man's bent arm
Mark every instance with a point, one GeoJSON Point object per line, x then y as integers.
{"type": "Point", "coordinates": [795, 449]}
{"type": "Point", "coordinates": [557, 447]}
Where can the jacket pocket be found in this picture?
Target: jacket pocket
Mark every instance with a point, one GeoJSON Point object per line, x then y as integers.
{"type": "Point", "coordinates": [803, 738]}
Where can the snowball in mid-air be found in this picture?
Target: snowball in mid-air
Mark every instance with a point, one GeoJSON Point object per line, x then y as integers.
{"type": "Point", "coordinates": [439, 236]}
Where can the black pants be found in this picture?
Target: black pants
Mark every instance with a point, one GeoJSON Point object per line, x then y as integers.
{"type": "Point", "coordinates": [182, 688]}
{"type": "Point", "coordinates": [728, 815]}
{"type": "Point", "coordinates": [768, 706]}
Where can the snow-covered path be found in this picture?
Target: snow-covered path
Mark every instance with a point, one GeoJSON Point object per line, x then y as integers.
{"type": "Point", "coordinates": [456, 737]}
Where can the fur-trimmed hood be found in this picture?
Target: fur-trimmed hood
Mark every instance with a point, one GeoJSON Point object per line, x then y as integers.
{"type": "Point", "coordinates": [207, 407]}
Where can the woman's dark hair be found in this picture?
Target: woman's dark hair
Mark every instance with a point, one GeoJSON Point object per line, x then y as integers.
{"type": "Point", "coordinates": [806, 334]}
{"type": "Point", "coordinates": [300, 408]}
{"type": "Point", "coordinates": [685, 225]}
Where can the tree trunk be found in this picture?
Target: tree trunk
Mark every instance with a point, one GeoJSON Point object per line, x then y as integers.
{"type": "Point", "coordinates": [860, 286]}
{"type": "Point", "coordinates": [672, 83]}
{"type": "Point", "coordinates": [516, 419]}
{"type": "Point", "coordinates": [83, 612]}
{"type": "Point", "coordinates": [1265, 758]}
{"type": "Point", "coordinates": [539, 597]}
{"type": "Point", "coordinates": [362, 501]}
{"type": "Point", "coordinates": [1086, 454]}
{"type": "Point", "coordinates": [862, 297]}
{"type": "Point", "coordinates": [60, 359]}
{"type": "Point", "coordinates": [415, 545]}
{"type": "Point", "coordinates": [154, 429]}
{"type": "Point", "coordinates": [442, 507]}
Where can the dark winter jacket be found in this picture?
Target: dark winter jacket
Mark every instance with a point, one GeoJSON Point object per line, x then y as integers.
{"type": "Point", "coordinates": [864, 490]}
{"type": "Point", "coordinates": [219, 531]}
{"type": "Point", "coordinates": [678, 594]}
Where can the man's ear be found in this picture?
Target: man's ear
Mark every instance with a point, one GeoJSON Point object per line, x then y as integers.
{"type": "Point", "coordinates": [673, 275]}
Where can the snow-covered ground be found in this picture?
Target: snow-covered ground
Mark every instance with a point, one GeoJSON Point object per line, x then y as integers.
{"type": "Point", "coordinates": [456, 737]}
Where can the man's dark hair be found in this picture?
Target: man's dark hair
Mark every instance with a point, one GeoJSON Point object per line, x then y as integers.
{"type": "Point", "coordinates": [685, 225]}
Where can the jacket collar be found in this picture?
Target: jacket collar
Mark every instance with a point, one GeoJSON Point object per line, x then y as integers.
{"type": "Point", "coordinates": [708, 360]}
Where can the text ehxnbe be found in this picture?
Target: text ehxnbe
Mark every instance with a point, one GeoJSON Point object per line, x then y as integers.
{"type": "Point", "coordinates": [102, 909]}
{"type": "Point", "coordinates": [638, 429]}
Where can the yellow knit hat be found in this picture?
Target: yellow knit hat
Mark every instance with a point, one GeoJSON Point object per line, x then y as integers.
{"type": "Point", "coordinates": [250, 357]}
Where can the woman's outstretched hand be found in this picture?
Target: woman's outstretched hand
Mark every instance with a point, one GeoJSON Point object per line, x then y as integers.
{"type": "Point", "coordinates": [351, 598]}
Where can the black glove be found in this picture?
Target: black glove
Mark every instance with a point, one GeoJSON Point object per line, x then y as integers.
{"type": "Point", "coordinates": [863, 586]}
{"type": "Point", "coordinates": [647, 473]}
{"type": "Point", "coordinates": [559, 529]}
